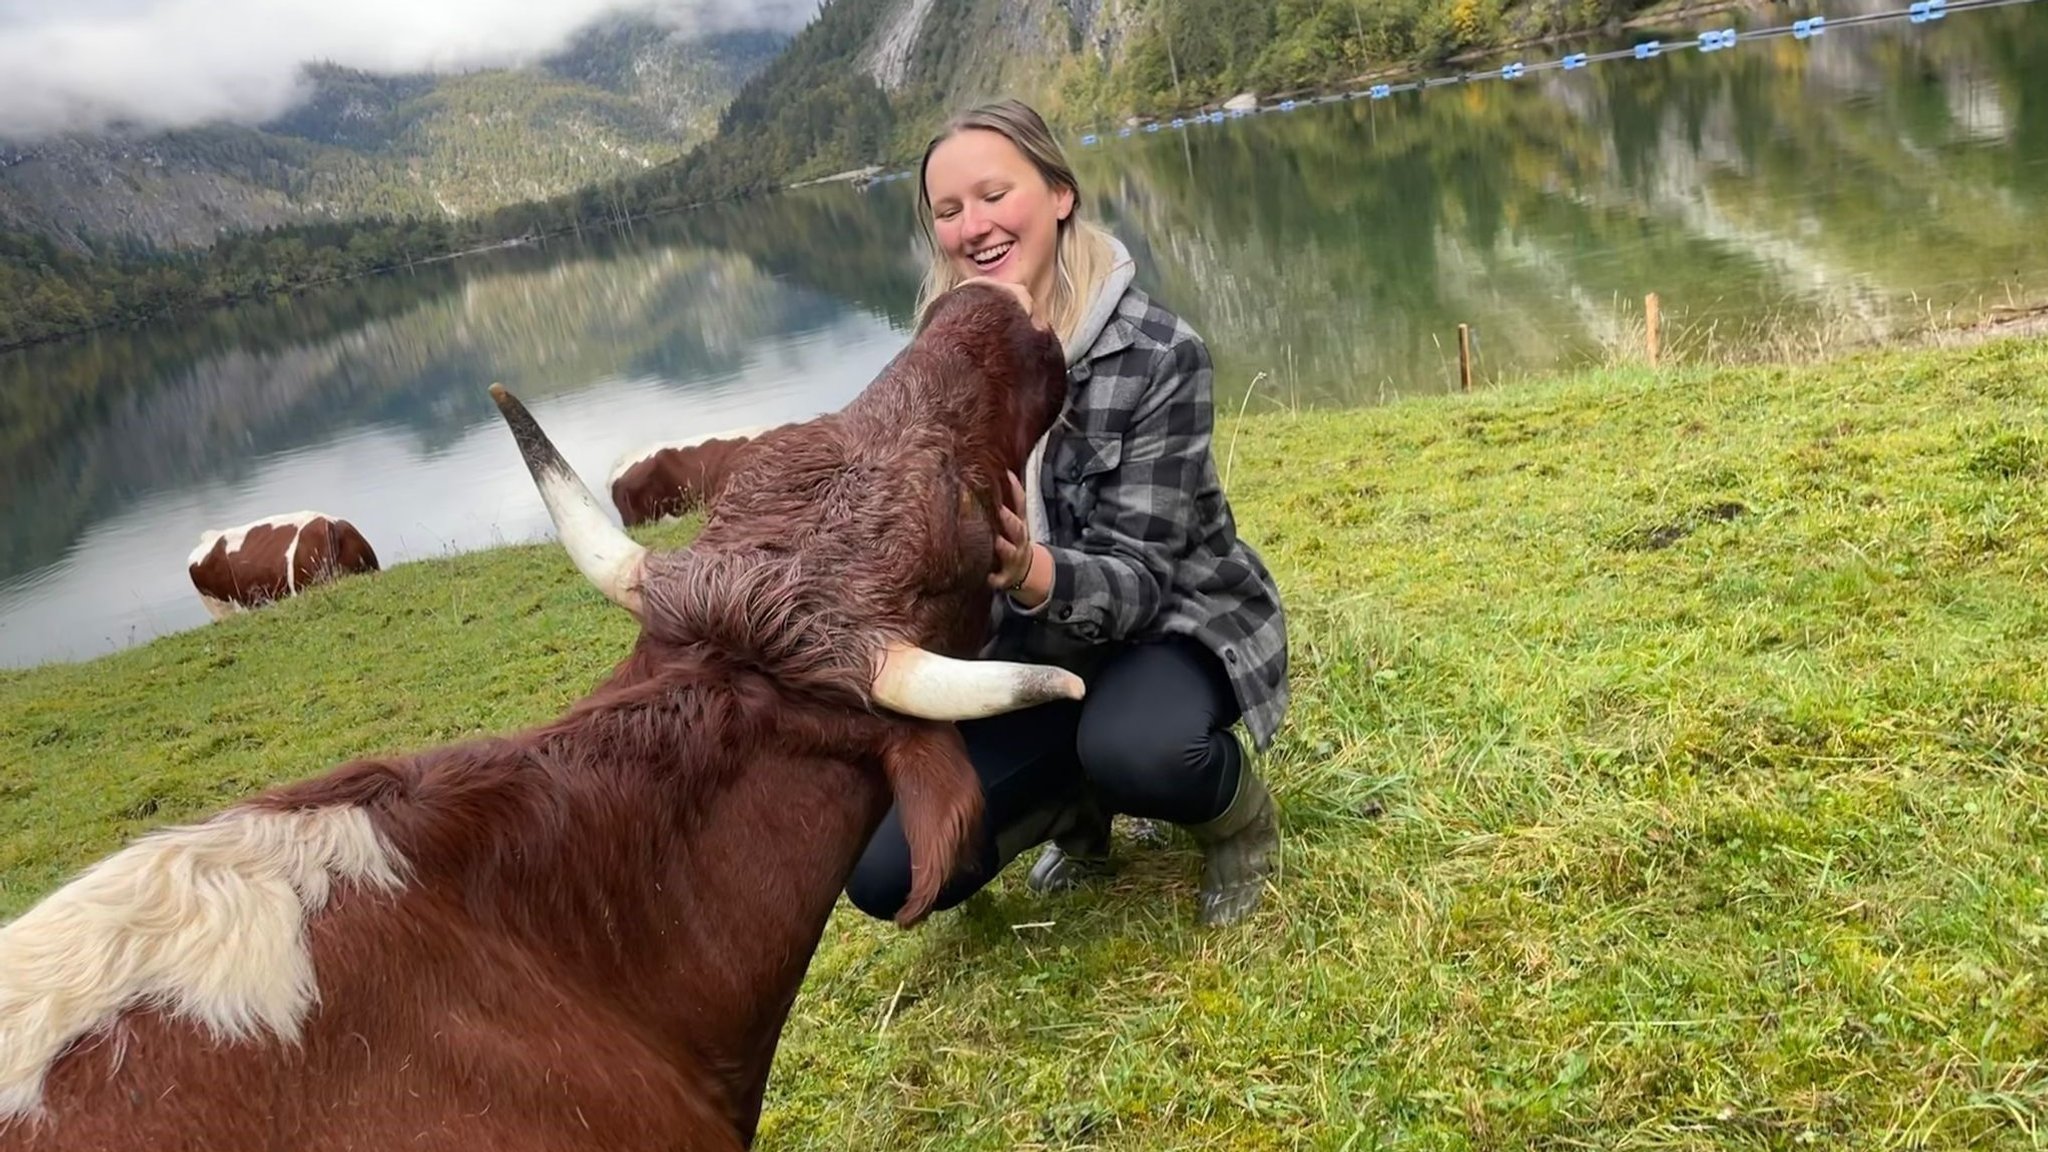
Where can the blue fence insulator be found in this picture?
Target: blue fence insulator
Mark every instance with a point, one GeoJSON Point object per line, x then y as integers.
{"type": "Point", "coordinates": [1925, 10]}
{"type": "Point", "coordinates": [1808, 28]}
{"type": "Point", "coordinates": [1381, 91]}
{"type": "Point", "coordinates": [1575, 60]}
{"type": "Point", "coordinates": [1215, 117]}
{"type": "Point", "coordinates": [1715, 41]}
{"type": "Point", "coordinates": [1088, 141]}
{"type": "Point", "coordinates": [1124, 132]}
{"type": "Point", "coordinates": [1179, 123]}
{"type": "Point", "coordinates": [1647, 50]}
{"type": "Point", "coordinates": [1152, 127]}
{"type": "Point", "coordinates": [1511, 71]}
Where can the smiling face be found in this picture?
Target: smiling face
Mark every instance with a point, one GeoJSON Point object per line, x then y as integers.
{"type": "Point", "coordinates": [993, 213]}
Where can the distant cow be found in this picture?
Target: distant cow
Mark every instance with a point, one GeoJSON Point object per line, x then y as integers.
{"type": "Point", "coordinates": [672, 478]}
{"type": "Point", "coordinates": [275, 557]}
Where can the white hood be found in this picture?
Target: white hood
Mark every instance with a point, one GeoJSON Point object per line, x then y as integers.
{"type": "Point", "coordinates": [1102, 306]}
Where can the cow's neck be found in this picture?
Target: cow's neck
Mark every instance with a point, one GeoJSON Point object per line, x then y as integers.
{"type": "Point", "coordinates": [705, 941]}
{"type": "Point", "coordinates": [753, 887]}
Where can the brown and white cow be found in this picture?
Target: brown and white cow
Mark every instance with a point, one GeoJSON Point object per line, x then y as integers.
{"type": "Point", "coordinates": [275, 557]}
{"type": "Point", "coordinates": [675, 477]}
{"type": "Point", "coordinates": [587, 934]}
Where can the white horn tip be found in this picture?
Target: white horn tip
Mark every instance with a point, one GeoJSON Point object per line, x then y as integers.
{"type": "Point", "coordinates": [1060, 683]}
{"type": "Point", "coordinates": [925, 684]}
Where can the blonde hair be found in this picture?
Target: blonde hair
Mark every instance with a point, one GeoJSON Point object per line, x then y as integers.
{"type": "Point", "coordinates": [1082, 253]}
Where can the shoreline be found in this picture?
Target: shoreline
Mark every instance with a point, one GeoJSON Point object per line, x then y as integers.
{"type": "Point", "coordinates": [1326, 90]}
{"type": "Point", "coordinates": [2025, 324]}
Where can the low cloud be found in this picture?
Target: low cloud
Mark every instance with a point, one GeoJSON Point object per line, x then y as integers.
{"type": "Point", "coordinates": [158, 64]}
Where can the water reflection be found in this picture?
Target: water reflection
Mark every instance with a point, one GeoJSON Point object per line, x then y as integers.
{"type": "Point", "coordinates": [1871, 174]}
{"type": "Point", "coordinates": [1863, 177]}
{"type": "Point", "coordinates": [387, 422]}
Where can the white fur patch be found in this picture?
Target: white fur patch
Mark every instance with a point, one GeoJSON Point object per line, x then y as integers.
{"type": "Point", "coordinates": [205, 921]}
{"type": "Point", "coordinates": [217, 608]}
{"type": "Point", "coordinates": [637, 455]}
{"type": "Point", "coordinates": [237, 534]}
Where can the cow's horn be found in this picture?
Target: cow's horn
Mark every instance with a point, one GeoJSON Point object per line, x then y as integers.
{"type": "Point", "coordinates": [934, 687]}
{"type": "Point", "coordinates": [603, 552]}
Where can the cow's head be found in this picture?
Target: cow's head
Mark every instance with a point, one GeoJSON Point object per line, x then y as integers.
{"type": "Point", "coordinates": [1008, 373]}
{"type": "Point", "coordinates": [850, 554]}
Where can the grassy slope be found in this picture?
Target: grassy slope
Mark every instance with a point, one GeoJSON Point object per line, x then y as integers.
{"type": "Point", "coordinates": [1731, 842]}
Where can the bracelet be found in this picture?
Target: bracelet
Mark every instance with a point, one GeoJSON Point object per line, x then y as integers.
{"type": "Point", "coordinates": [1030, 562]}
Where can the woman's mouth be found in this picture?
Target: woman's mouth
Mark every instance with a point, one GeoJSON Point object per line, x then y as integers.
{"type": "Point", "coordinates": [988, 258]}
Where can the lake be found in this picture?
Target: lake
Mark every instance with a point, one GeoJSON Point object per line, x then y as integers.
{"type": "Point", "coordinates": [1779, 189]}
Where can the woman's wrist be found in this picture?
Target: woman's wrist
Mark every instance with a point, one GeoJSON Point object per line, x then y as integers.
{"type": "Point", "coordinates": [1036, 586]}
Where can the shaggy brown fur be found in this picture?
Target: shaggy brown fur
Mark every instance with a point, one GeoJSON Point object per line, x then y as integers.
{"type": "Point", "coordinates": [606, 919]}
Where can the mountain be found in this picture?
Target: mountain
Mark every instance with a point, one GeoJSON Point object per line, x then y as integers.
{"type": "Point", "coordinates": [868, 80]}
{"type": "Point", "coordinates": [625, 96]}
{"type": "Point", "coordinates": [423, 166]}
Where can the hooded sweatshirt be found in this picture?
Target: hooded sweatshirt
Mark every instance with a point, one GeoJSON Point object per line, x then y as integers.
{"type": "Point", "coordinates": [1220, 592]}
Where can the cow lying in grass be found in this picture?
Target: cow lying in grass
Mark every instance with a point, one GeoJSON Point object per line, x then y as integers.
{"type": "Point", "coordinates": [274, 558]}
{"type": "Point", "coordinates": [676, 477]}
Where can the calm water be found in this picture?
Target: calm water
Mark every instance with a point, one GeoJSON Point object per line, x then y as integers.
{"type": "Point", "coordinates": [1327, 254]}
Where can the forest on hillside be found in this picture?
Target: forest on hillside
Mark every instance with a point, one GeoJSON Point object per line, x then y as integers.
{"type": "Point", "coordinates": [813, 109]}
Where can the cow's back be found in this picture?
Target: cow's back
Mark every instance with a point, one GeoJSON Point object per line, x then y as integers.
{"type": "Point", "coordinates": [672, 478]}
{"type": "Point", "coordinates": [249, 564]}
{"type": "Point", "coordinates": [423, 1024]}
{"type": "Point", "coordinates": [274, 558]}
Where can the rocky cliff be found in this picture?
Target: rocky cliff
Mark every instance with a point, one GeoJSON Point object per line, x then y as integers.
{"type": "Point", "coordinates": [1102, 61]}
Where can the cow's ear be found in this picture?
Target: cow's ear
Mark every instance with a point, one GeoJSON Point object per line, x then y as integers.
{"type": "Point", "coordinates": [939, 802]}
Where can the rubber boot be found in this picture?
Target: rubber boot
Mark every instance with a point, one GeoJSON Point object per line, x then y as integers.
{"type": "Point", "coordinates": [1079, 851]}
{"type": "Point", "coordinates": [1240, 848]}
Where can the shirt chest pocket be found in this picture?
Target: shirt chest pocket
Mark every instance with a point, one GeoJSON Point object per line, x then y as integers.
{"type": "Point", "coordinates": [1082, 464]}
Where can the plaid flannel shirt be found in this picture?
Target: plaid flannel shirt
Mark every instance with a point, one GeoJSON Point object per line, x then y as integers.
{"type": "Point", "coordinates": [1142, 538]}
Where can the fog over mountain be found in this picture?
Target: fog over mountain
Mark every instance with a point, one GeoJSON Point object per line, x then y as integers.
{"type": "Point", "coordinates": [152, 65]}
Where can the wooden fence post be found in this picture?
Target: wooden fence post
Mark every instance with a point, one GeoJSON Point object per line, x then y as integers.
{"type": "Point", "coordinates": [1464, 357]}
{"type": "Point", "coordinates": [1652, 323]}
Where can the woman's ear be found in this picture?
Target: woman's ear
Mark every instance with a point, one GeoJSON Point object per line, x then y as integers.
{"type": "Point", "coordinates": [1063, 202]}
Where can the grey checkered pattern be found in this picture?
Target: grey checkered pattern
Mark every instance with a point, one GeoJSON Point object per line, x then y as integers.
{"type": "Point", "coordinates": [1144, 541]}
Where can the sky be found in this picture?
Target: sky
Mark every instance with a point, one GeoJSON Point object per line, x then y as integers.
{"type": "Point", "coordinates": [81, 64]}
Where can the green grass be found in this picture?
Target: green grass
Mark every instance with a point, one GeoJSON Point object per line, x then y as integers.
{"type": "Point", "coordinates": [1667, 772]}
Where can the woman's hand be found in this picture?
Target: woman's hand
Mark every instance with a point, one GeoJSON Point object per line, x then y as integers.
{"type": "Point", "coordinates": [1023, 568]}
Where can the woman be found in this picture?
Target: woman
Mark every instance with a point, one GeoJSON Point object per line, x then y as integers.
{"type": "Point", "coordinates": [1119, 557]}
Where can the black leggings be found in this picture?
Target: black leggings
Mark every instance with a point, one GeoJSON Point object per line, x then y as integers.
{"type": "Point", "coordinates": [1152, 739]}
